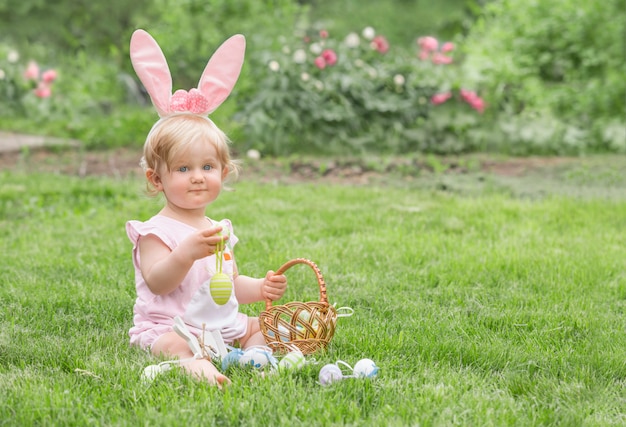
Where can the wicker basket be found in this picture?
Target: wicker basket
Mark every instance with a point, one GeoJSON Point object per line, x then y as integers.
{"type": "Point", "coordinates": [309, 326]}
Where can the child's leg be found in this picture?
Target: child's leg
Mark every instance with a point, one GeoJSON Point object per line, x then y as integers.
{"type": "Point", "coordinates": [254, 336]}
{"type": "Point", "coordinates": [172, 344]}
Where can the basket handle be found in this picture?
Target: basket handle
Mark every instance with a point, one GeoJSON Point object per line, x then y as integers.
{"type": "Point", "coordinates": [316, 270]}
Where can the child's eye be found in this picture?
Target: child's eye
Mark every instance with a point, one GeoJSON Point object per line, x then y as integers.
{"type": "Point", "coordinates": [207, 167]}
{"type": "Point", "coordinates": [183, 169]}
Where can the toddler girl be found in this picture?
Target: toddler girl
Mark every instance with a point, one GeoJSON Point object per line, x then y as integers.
{"type": "Point", "coordinates": [186, 157]}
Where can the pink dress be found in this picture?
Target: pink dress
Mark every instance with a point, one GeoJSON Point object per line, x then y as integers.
{"type": "Point", "coordinates": [192, 301]}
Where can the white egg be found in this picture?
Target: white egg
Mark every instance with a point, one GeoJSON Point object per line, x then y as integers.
{"type": "Point", "coordinates": [257, 357]}
{"type": "Point", "coordinates": [365, 368]}
{"type": "Point", "coordinates": [151, 372]}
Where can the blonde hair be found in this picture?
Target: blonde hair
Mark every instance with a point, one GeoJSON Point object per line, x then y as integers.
{"type": "Point", "coordinates": [173, 134]}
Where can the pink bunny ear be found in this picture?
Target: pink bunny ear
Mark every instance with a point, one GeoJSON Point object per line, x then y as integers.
{"type": "Point", "coordinates": [151, 68]}
{"type": "Point", "coordinates": [222, 71]}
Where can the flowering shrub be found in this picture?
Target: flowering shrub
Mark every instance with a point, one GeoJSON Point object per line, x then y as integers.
{"type": "Point", "coordinates": [321, 94]}
{"type": "Point", "coordinates": [22, 87]}
{"type": "Point", "coordinates": [554, 73]}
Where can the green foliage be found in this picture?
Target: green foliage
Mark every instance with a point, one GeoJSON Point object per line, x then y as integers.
{"type": "Point", "coordinates": [371, 99]}
{"type": "Point", "coordinates": [399, 20]}
{"type": "Point", "coordinates": [551, 72]}
{"type": "Point", "coordinates": [95, 26]}
{"type": "Point", "coordinates": [563, 57]}
{"type": "Point", "coordinates": [189, 31]}
{"type": "Point", "coordinates": [97, 95]}
{"type": "Point", "coordinates": [25, 86]}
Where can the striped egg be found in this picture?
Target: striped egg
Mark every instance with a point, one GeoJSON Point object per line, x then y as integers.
{"type": "Point", "coordinates": [292, 360]}
{"type": "Point", "coordinates": [220, 287]}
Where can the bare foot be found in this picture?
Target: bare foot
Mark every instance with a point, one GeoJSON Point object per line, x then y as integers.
{"type": "Point", "coordinates": [204, 370]}
{"type": "Point", "coordinates": [172, 345]}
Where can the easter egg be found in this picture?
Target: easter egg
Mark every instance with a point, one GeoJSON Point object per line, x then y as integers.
{"type": "Point", "coordinates": [292, 360]}
{"type": "Point", "coordinates": [329, 374]}
{"type": "Point", "coordinates": [283, 333]}
{"type": "Point", "coordinates": [305, 317]}
{"type": "Point", "coordinates": [231, 358]}
{"type": "Point", "coordinates": [220, 287]}
{"type": "Point", "coordinates": [365, 368]}
{"type": "Point", "coordinates": [151, 372]}
{"type": "Point", "coordinates": [257, 358]}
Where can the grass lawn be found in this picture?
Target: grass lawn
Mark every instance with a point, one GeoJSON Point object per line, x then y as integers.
{"type": "Point", "coordinates": [483, 301]}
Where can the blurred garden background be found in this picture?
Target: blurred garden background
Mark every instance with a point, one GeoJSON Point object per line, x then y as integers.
{"type": "Point", "coordinates": [488, 294]}
{"type": "Point", "coordinates": [332, 78]}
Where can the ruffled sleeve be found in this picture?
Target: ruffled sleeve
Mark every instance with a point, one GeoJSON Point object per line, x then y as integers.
{"type": "Point", "coordinates": [137, 229]}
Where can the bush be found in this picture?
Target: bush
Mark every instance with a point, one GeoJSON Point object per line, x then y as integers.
{"type": "Point", "coordinates": [565, 57]}
{"type": "Point", "coordinates": [95, 26]}
{"type": "Point", "coordinates": [25, 86]}
{"type": "Point", "coordinates": [190, 31]}
{"type": "Point", "coordinates": [553, 72]}
{"type": "Point", "coordinates": [399, 20]}
{"type": "Point", "coordinates": [97, 96]}
{"type": "Point", "coordinates": [323, 95]}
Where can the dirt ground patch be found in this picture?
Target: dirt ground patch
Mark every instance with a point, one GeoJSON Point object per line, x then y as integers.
{"type": "Point", "coordinates": [124, 162]}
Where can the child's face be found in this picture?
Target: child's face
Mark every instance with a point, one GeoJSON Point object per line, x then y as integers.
{"type": "Point", "coordinates": [194, 178]}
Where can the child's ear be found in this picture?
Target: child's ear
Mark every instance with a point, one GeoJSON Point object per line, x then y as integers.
{"type": "Point", "coordinates": [224, 172]}
{"type": "Point", "coordinates": [154, 179]}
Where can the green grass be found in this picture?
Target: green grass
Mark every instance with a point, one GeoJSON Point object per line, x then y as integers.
{"type": "Point", "coordinates": [483, 307]}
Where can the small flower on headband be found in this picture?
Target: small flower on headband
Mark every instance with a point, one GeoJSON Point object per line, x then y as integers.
{"type": "Point", "coordinates": [192, 101]}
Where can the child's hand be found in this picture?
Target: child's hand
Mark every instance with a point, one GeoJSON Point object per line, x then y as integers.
{"type": "Point", "coordinates": [201, 243]}
{"type": "Point", "coordinates": [274, 286]}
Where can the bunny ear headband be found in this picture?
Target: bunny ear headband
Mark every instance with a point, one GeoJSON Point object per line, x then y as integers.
{"type": "Point", "coordinates": [216, 83]}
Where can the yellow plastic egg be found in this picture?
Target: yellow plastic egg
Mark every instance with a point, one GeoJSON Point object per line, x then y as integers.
{"type": "Point", "coordinates": [220, 287]}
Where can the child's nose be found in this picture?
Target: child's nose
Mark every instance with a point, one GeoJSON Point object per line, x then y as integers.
{"type": "Point", "coordinates": [196, 175]}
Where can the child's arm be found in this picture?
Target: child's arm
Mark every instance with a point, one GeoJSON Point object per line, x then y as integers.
{"type": "Point", "coordinates": [249, 289]}
{"type": "Point", "coordinates": [164, 269]}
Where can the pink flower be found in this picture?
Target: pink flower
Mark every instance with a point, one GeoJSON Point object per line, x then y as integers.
{"type": "Point", "coordinates": [440, 58]}
{"type": "Point", "coordinates": [478, 104]}
{"type": "Point", "coordinates": [428, 43]}
{"type": "Point", "coordinates": [42, 90]}
{"type": "Point", "coordinates": [320, 62]}
{"type": "Point", "coordinates": [32, 71]}
{"type": "Point", "coordinates": [49, 76]}
{"type": "Point", "coordinates": [440, 98]}
{"type": "Point", "coordinates": [474, 101]}
{"type": "Point", "coordinates": [381, 44]}
{"type": "Point", "coordinates": [324, 34]}
{"type": "Point", "coordinates": [423, 55]}
{"type": "Point", "coordinates": [330, 57]}
{"type": "Point", "coordinates": [447, 47]}
{"type": "Point", "coordinates": [468, 95]}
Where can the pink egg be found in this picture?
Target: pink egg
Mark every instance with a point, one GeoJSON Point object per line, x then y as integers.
{"type": "Point", "coordinates": [329, 374]}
